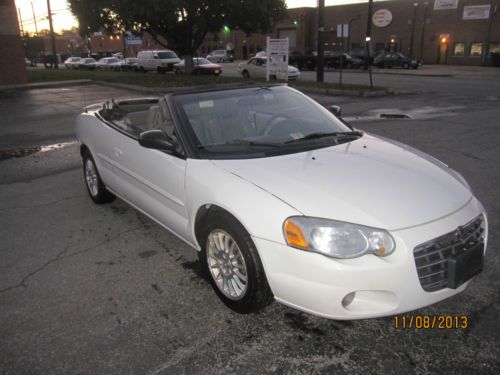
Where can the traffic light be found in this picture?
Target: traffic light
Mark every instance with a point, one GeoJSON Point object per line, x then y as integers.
{"type": "Point", "coordinates": [295, 22]}
{"type": "Point", "coordinates": [226, 29]}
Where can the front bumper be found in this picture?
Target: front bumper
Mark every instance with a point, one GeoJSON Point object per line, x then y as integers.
{"type": "Point", "coordinates": [384, 286]}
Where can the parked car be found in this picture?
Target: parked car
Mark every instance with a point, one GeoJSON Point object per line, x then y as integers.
{"type": "Point", "coordinates": [159, 60]}
{"type": "Point", "coordinates": [221, 56]}
{"type": "Point", "coordinates": [394, 59]}
{"type": "Point", "coordinates": [28, 62]}
{"type": "Point", "coordinates": [256, 68]}
{"type": "Point", "coordinates": [200, 66]}
{"type": "Point", "coordinates": [128, 64]}
{"type": "Point", "coordinates": [284, 200]}
{"type": "Point", "coordinates": [344, 60]}
{"type": "Point", "coordinates": [72, 62]}
{"type": "Point", "coordinates": [109, 63]}
{"type": "Point", "coordinates": [87, 63]}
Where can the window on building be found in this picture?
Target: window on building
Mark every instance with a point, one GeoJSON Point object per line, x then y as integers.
{"type": "Point", "coordinates": [494, 47]}
{"type": "Point", "coordinates": [459, 49]}
{"type": "Point", "coordinates": [476, 49]}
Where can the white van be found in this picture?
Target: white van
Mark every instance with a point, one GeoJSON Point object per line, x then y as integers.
{"type": "Point", "coordinates": [159, 60]}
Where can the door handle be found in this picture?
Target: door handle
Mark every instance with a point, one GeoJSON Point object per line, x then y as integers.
{"type": "Point", "coordinates": [117, 152]}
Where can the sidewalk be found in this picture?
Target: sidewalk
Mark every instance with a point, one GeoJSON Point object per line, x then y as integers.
{"type": "Point", "coordinates": [441, 71]}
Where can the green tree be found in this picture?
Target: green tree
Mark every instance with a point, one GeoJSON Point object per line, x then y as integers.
{"type": "Point", "coordinates": [183, 23]}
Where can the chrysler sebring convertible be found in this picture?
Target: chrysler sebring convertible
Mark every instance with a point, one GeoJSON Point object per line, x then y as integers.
{"type": "Point", "coordinates": [285, 201]}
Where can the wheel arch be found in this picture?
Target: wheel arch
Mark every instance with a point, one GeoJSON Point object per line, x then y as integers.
{"type": "Point", "coordinates": [202, 217]}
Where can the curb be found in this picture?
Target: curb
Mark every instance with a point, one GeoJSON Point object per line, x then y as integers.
{"type": "Point", "coordinates": [160, 90]}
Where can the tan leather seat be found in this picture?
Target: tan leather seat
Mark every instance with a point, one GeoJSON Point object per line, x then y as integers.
{"type": "Point", "coordinates": [155, 118]}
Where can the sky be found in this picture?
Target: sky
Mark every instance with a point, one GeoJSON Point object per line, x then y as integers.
{"type": "Point", "coordinates": [63, 19]}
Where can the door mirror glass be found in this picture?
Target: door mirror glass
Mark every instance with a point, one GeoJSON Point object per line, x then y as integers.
{"type": "Point", "coordinates": [158, 140]}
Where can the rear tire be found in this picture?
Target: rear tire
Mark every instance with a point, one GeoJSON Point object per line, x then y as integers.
{"type": "Point", "coordinates": [93, 182]}
{"type": "Point", "coordinates": [229, 257]}
{"type": "Point", "coordinates": [246, 74]}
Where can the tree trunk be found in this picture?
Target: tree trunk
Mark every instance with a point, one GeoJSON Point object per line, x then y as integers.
{"type": "Point", "coordinates": [188, 64]}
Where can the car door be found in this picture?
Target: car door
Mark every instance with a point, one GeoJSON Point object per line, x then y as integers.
{"type": "Point", "coordinates": [152, 181]}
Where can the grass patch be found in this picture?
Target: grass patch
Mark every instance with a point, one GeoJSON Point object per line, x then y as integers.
{"type": "Point", "coordinates": [153, 79]}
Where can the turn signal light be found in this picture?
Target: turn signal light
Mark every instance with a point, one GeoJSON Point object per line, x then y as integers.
{"type": "Point", "coordinates": [294, 235]}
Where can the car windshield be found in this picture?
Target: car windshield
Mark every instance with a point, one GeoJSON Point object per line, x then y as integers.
{"type": "Point", "coordinates": [89, 60]}
{"type": "Point", "coordinates": [167, 55]}
{"type": "Point", "coordinates": [258, 121]}
{"type": "Point", "coordinates": [112, 61]}
{"type": "Point", "coordinates": [201, 61]}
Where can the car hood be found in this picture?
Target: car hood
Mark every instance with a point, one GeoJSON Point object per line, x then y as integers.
{"type": "Point", "coordinates": [370, 181]}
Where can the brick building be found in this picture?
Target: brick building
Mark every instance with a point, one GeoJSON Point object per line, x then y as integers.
{"type": "Point", "coordinates": [12, 67]}
{"type": "Point", "coordinates": [436, 31]}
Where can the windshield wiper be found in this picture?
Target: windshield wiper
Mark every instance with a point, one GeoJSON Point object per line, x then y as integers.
{"type": "Point", "coordinates": [242, 142]}
{"type": "Point", "coordinates": [318, 135]}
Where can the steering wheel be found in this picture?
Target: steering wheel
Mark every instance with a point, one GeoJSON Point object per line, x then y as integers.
{"type": "Point", "coordinates": [273, 122]}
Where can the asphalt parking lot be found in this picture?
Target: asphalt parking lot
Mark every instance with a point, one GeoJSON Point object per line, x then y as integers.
{"type": "Point", "coordinates": [102, 289]}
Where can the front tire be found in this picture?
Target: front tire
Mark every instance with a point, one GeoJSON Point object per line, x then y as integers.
{"type": "Point", "coordinates": [230, 259]}
{"type": "Point", "coordinates": [246, 74]}
{"type": "Point", "coordinates": [93, 182]}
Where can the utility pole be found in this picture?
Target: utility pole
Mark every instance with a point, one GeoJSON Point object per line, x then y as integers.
{"type": "Point", "coordinates": [422, 37]}
{"type": "Point", "coordinates": [368, 39]}
{"type": "Point", "coordinates": [488, 37]}
{"type": "Point", "coordinates": [321, 42]}
{"type": "Point", "coordinates": [412, 37]}
{"type": "Point", "coordinates": [52, 37]}
{"type": "Point", "coordinates": [20, 22]}
{"type": "Point", "coordinates": [34, 18]}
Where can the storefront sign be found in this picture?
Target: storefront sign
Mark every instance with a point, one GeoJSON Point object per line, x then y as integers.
{"type": "Point", "coordinates": [476, 12]}
{"type": "Point", "coordinates": [445, 4]}
{"type": "Point", "coordinates": [131, 40]}
{"type": "Point", "coordinates": [382, 18]}
{"type": "Point", "coordinates": [277, 58]}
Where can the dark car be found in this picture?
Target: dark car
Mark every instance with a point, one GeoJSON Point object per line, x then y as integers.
{"type": "Point", "coordinates": [87, 63]}
{"type": "Point", "coordinates": [200, 66]}
{"type": "Point", "coordinates": [336, 60]}
{"type": "Point", "coordinates": [129, 64]}
{"type": "Point", "coordinates": [394, 59]}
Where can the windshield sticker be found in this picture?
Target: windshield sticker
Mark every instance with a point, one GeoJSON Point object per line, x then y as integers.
{"type": "Point", "coordinates": [206, 104]}
{"type": "Point", "coordinates": [297, 135]}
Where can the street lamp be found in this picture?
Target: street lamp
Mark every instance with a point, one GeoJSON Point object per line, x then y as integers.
{"type": "Point", "coordinates": [415, 6]}
{"type": "Point", "coordinates": [426, 5]}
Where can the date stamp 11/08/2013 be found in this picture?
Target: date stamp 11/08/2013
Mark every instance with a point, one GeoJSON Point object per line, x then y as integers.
{"type": "Point", "coordinates": [441, 322]}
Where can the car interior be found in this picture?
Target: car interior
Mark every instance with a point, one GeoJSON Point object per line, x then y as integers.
{"type": "Point", "coordinates": [135, 117]}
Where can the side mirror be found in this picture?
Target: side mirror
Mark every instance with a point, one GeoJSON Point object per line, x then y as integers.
{"type": "Point", "coordinates": [336, 110]}
{"type": "Point", "coordinates": [158, 140]}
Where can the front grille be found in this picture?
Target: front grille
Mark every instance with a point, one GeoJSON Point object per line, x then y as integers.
{"type": "Point", "coordinates": [431, 257]}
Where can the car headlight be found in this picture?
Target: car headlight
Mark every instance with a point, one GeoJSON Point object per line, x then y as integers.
{"type": "Point", "coordinates": [335, 238]}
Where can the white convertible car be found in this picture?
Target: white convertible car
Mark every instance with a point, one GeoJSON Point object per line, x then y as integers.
{"type": "Point", "coordinates": [285, 201]}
